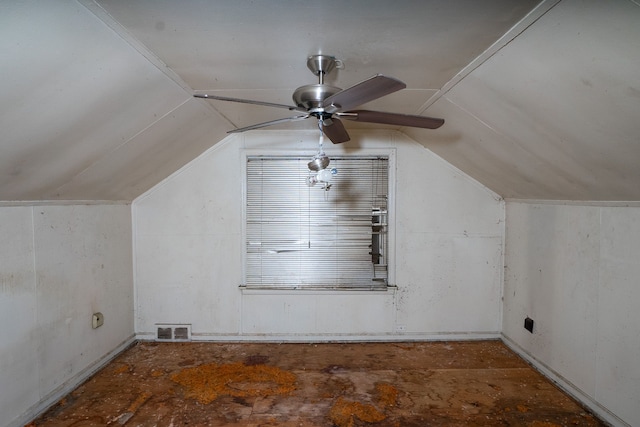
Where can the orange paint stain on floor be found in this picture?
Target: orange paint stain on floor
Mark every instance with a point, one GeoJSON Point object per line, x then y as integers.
{"type": "Point", "coordinates": [345, 413]}
{"type": "Point", "coordinates": [206, 383]}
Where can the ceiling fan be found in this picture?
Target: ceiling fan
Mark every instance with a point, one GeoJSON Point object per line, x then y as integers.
{"type": "Point", "coordinates": [330, 104]}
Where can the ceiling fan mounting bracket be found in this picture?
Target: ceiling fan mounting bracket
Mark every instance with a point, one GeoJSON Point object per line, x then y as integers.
{"type": "Point", "coordinates": [322, 64]}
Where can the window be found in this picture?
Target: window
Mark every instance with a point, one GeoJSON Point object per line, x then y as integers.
{"type": "Point", "coordinates": [300, 236]}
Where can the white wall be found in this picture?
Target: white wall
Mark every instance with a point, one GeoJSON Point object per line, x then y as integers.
{"type": "Point", "coordinates": [575, 270]}
{"type": "Point", "coordinates": [58, 265]}
{"type": "Point", "coordinates": [188, 253]}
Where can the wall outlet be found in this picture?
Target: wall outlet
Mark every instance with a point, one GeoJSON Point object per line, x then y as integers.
{"type": "Point", "coordinates": [97, 320]}
{"type": "Point", "coordinates": [528, 324]}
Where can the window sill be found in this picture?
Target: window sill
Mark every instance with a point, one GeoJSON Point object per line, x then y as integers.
{"type": "Point", "coordinates": [272, 290]}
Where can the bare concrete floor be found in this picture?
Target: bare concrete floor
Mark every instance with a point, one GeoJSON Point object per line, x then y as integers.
{"type": "Point", "coordinates": [357, 384]}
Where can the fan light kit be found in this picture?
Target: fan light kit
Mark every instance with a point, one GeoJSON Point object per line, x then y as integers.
{"type": "Point", "coordinates": [331, 104]}
{"type": "Point", "coordinates": [323, 177]}
{"type": "Point", "coordinates": [319, 164]}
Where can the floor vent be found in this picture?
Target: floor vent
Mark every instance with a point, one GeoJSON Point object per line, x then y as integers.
{"type": "Point", "coordinates": [173, 332]}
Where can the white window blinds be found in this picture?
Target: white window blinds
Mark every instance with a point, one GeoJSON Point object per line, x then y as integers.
{"type": "Point", "coordinates": [301, 236]}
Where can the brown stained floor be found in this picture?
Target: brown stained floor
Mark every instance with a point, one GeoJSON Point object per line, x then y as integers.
{"type": "Point", "coordinates": [478, 383]}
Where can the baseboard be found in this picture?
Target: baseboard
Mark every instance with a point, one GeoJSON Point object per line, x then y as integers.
{"type": "Point", "coordinates": [306, 338]}
{"type": "Point", "coordinates": [566, 385]}
{"type": "Point", "coordinates": [70, 384]}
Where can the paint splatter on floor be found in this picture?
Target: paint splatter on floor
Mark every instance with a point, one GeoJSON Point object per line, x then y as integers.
{"type": "Point", "coordinates": [387, 395]}
{"type": "Point", "coordinates": [345, 413]}
{"type": "Point", "coordinates": [206, 383]}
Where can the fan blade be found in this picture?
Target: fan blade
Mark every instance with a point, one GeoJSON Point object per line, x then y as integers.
{"type": "Point", "coordinates": [247, 101]}
{"type": "Point", "coordinates": [392, 119]}
{"type": "Point", "coordinates": [335, 131]}
{"type": "Point", "coordinates": [363, 92]}
{"type": "Point", "coordinates": [269, 123]}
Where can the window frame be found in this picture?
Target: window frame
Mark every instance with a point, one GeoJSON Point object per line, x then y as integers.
{"type": "Point", "coordinates": [389, 153]}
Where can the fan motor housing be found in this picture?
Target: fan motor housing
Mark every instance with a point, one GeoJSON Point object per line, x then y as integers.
{"type": "Point", "coordinates": [311, 97]}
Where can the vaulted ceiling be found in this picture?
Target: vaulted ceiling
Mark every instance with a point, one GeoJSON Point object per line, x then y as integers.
{"type": "Point", "coordinates": [541, 99]}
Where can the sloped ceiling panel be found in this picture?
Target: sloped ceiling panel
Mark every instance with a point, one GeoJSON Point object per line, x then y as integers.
{"type": "Point", "coordinates": [484, 154]}
{"type": "Point", "coordinates": [73, 93]}
{"type": "Point", "coordinates": [148, 157]}
{"type": "Point", "coordinates": [555, 113]}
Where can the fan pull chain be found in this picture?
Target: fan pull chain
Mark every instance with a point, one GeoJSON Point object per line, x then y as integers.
{"type": "Point", "coordinates": [321, 140]}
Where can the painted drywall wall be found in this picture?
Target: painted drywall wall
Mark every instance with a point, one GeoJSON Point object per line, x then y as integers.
{"type": "Point", "coordinates": [188, 242]}
{"type": "Point", "coordinates": [574, 270]}
{"type": "Point", "coordinates": [59, 265]}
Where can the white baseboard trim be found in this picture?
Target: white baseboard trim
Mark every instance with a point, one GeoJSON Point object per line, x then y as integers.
{"type": "Point", "coordinates": [69, 385]}
{"type": "Point", "coordinates": [310, 337]}
{"type": "Point", "coordinates": [566, 385]}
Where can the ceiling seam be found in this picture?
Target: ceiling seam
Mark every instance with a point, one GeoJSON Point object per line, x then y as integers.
{"type": "Point", "coordinates": [532, 17]}
{"type": "Point", "coordinates": [103, 16]}
{"type": "Point", "coordinates": [487, 125]}
{"type": "Point", "coordinates": [509, 138]}
{"type": "Point", "coordinates": [61, 187]}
